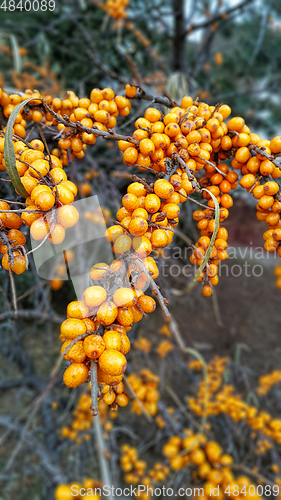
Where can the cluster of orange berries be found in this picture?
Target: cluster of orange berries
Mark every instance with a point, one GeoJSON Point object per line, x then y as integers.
{"type": "Point", "coordinates": [194, 131]}
{"type": "Point", "coordinates": [164, 347]}
{"type": "Point", "coordinates": [268, 381]}
{"type": "Point", "coordinates": [262, 446]}
{"type": "Point", "coordinates": [89, 487]}
{"type": "Point", "coordinates": [114, 396]}
{"type": "Point", "coordinates": [143, 344]}
{"type": "Point", "coordinates": [136, 470]}
{"type": "Point", "coordinates": [145, 386]}
{"type": "Point", "coordinates": [148, 216]}
{"type": "Point", "coordinates": [82, 421]}
{"type": "Point", "coordinates": [82, 418]}
{"type": "Point", "coordinates": [99, 112]}
{"type": "Point", "coordinates": [255, 170]}
{"type": "Point", "coordinates": [48, 187]}
{"type": "Point", "coordinates": [99, 216]}
{"type": "Point", "coordinates": [116, 8]}
{"type": "Point", "coordinates": [60, 270]}
{"type": "Point", "coordinates": [219, 184]}
{"type": "Point", "coordinates": [277, 272]}
{"type": "Point", "coordinates": [222, 399]}
{"type": "Point", "coordinates": [209, 463]}
{"type": "Point", "coordinates": [12, 240]}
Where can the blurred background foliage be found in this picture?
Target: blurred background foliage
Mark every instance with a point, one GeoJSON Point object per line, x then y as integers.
{"type": "Point", "coordinates": [227, 53]}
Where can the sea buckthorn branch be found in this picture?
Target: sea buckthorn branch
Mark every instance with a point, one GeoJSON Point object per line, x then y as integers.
{"type": "Point", "coordinates": [65, 120]}
{"type": "Point", "coordinates": [218, 17]}
{"type": "Point", "coordinates": [143, 95]}
{"type": "Point", "coordinates": [190, 175]}
{"type": "Point", "coordinates": [94, 387]}
{"type": "Point", "coordinates": [137, 399]}
{"type": "Point", "coordinates": [155, 290]}
{"type": "Point", "coordinates": [262, 152]}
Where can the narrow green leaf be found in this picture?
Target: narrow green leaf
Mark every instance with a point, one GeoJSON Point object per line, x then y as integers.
{"type": "Point", "coordinates": [16, 54]}
{"type": "Point", "coordinates": [15, 50]}
{"type": "Point", "coordinates": [9, 152]}
{"type": "Point", "coordinates": [210, 248]}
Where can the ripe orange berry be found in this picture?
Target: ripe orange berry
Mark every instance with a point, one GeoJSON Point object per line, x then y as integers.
{"type": "Point", "coordinates": [125, 342]}
{"type": "Point", "coordinates": [124, 297]}
{"type": "Point", "coordinates": [271, 188]}
{"type": "Point", "coordinates": [159, 238]}
{"type": "Point", "coordinates": [112, 362]}
{"type": "Point", "coordinates": [152, 203]}
{"type": "Point", "coordinates": [147, 303]}
{"type": "Point", "coordinates": [122, 244]}
{"type": "Point", "coordinates": [258, 192]}
{"type": "Point", "coordinates": [137, 314]}
{"type": "Point", "coordinates": [140, 212]}
{"type": "Point", "coordinates": [67, 216]}
{"type": "Point", "coordinates": [94, 296]}
{"type": "Point", "coordinates": [130, 202]}
{"type": "Point", "coordinates": [66, 196]}
{"type": "Point", "coordinates": [112, 340]}
{"type": "Point", "coordinates": [248, 181]}
{"type": "Point", "coordinates": [172, 210]}
{"type": "Point", "coordinates": [39, 168]}
{"type": "Point", "coordinates": [207, 291]}
{"type": "Point", "coordinates": [44, 201]}
{"type": "Point", "coordinates": [137, 189]}
{"type": "Point", "coordinates": [236, 124]}
{"type": "Point", "coordinates": [265, 202]}
{"type": "Point", "coordinates": [142, 246]}
{"type": "Point", "coordinates": [94, 346]}
{"type": "Point", "coordinates": [77, 309]}
{"type": "Point", "coordinates": [39, 229]}
{"type": "Point", "coordinates": [70, 186]}
{"type": "Point", "coordinates": [146, 147]}
{"type": "Point", "coordinates": [152, 115]}
{"type": "Point", "coordinates": [57, 234]}
{"type": "Point", "coordinates": [98, 271]}
{"type": "Point", "coordinates": [75, 375]}
{"type": "Point", "coordinates": [112, 233]}
{"type": "Point", "coordinates": [275, 144]}
{"type": "Point", "coordinates": [131, 91]}
{"type": "Point", "coordinates": [122, 400]}
{"type": "Point", "coordinates": [107, 313]}
{"type": "Point", "coordinates": [106, 378]}
{"type": "Point", "coordinates": [163, 188]}
{"type": "Point", "coordinates": [242, 155]}
{"type": "Point", "coordinates": [109, 398]}
{"type": "Point", "coordinates": [16, 237]}
{"type": "Point", "coordinates": [130, 156]}
{"type": "Point", "coordinates": [71, 328]}
{"type": "Point", "coordinates": [76, 353]}
{"type": "Point", "coordinates": [125, 316]}
{"type": "Point", "coordinates": [63, 491]}
{"type": "Point", "coordinates": [266, 167]}
{"type": "Point", "coordinates": [56, 284]}
{"type": "Point", "coordinates": [137, 226]}
{"type": "Point", "coordinates": [225, 186]}
{"type": "Point", "coordinates": [19, 265]}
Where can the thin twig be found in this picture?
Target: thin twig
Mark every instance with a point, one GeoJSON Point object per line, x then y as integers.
{"type": "Point", "coordinates": [142, 407]}
{"type": "Point", "coordinates": [94, 388]}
